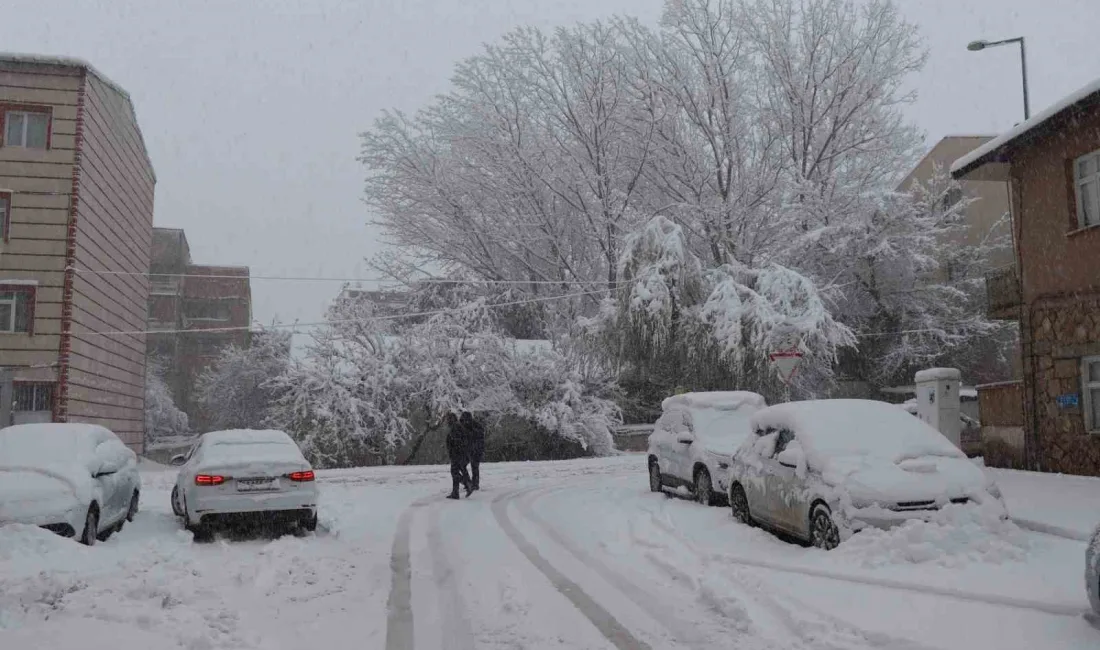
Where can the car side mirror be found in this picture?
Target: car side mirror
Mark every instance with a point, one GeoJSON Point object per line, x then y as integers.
{"type": "Point", "coordinates": [791, 457]}
{"type": "Point", "coordinates": [177, 460]}
{"type": "Point", "coordinates": [685, 438]}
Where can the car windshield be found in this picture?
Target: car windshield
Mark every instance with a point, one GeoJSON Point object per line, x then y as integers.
{"type": "Point", "coordinates": [37, 446]}
{"type": "Point", "coordinates": [721, 424]}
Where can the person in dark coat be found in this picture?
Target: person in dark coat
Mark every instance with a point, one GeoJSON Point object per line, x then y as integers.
{"type": "Point", "coordinates": [459, 453]}
{"type": "Point", "coordinates": [475, 437]}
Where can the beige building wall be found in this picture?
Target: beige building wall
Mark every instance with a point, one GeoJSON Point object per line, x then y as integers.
{"type": "Point", "coordinates": [40, 184]}
{"type": "Point", "coordinates": [992, 204]}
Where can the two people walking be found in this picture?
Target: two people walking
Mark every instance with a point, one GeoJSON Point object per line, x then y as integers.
{"type": "Point", "coordinates": [465, 446]}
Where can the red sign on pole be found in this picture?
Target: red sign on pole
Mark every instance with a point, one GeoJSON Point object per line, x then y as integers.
{"type": "Point", "coordinates": [786, 362]}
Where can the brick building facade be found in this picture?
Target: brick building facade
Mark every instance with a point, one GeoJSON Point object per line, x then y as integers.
{"type": "Point", "coordinates": [199, 310]}
{"type": "Point", "coordinates": [76, 220]}
{"type": "Point", "coordinates": [1052, 163]}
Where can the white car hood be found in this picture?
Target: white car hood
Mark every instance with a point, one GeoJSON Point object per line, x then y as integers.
{"type": "Point", "coordinates": [723, 446]}
{"type": "Point", "coordinates": [938, 478]}
{"type": "Point", "coordinates": [27, 492]}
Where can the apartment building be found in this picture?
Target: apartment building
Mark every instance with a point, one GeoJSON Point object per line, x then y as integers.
{"type": "Point", "coordinates": [195, 311]}
{"type": "Point", "coordinates": [1052, 164]}
{"type": "Point", "coordinates": [76, 221]}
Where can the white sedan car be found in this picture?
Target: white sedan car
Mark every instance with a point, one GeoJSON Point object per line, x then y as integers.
{"type": "Point", "coordinates": [821, 470]}
{"type": "Point", "coordinates": [695, 437]}
{"type": "Point", "coordinates": [244, 474]}
{"type": "Point", "coordinates": [78, 480]}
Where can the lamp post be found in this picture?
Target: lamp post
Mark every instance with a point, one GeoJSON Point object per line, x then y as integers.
{"type": "Point", "coordinates": [975, 46]}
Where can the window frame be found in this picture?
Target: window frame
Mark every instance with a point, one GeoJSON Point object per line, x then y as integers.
{"type": "Point", "coordinates": [31, 292]}
{"type": "Point", "coordinates": [35, 387]}
{"type": "Point", "coordinates": [5, 216]}
{"type": "Point", "coordinates": [1086, 394]}
{"type": "Point", "coordinates": [1078, 181]}
{"type": "Point", "coordinates": [6, 108]}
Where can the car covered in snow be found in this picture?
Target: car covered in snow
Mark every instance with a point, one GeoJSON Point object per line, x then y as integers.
{"type": "Point", "coordinates": [78, 480]}
{"type": "Point", "coordinates": [230, 476]}
{"type": "Point", "coordinates": [820, 470]}
{"type": "Point", "coordinates": [694, 439]}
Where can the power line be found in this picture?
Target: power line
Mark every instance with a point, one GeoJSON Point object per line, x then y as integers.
{"type": "Point", "coordinates": [302, 278]}
{"type": "Point", "coordinates": [248, 328]}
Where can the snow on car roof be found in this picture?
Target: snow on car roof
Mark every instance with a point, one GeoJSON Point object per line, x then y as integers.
{"type": "Point", "coordinates": [245, 436]}
{"type": "Point", "coordinates": [720, 400]}
{"type": "Point", "coordinates": [49, 442]}
{"type": "Point", "coordinates": [851, 427]}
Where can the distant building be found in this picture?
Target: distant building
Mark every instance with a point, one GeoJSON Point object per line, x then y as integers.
{"type": "Point", "coordinates": [990, 205]}
{"type": "Point", "coordinates": [76, 200]}
{"type": "Point", "coordinates": [387, 302]}
{"type": "Point", "coordinates": [1052, 164]}
{"type": "Point", "coordinates": [199, 310]}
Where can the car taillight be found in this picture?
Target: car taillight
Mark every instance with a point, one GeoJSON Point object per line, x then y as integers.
{"type": "Point", "coordinates": [301, 476]}
{"type": "Point", "coordinates": [208, 479]}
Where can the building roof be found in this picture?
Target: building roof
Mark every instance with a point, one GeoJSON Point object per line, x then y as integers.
{"type": "Point", "coordinates": [73, 62]}
{"type": "Point", "coordinates": [996, 149]}
{"type": "Point", "coordinates": [940, 152]}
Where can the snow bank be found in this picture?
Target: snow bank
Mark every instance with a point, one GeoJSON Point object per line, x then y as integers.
{"type": "Point", "coordinates": [953, 537]}
{"type": "Point", "coordinates": [720, 400]}
{"type": "Point", "coordinates": [20, 543]}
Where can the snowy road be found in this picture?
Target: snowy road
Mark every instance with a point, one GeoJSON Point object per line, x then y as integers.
{"type": "Point", "coordinates": [570, 555]}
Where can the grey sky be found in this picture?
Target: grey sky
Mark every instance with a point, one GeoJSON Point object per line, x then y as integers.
{"type": "Point", "coordinates": [251, 110]}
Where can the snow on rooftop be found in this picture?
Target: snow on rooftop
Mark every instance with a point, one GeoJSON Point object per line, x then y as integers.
{"type": "Point", "coordinates": [977, 155]}
{"type": "Point", "coordinates": [74, 62]}
{"type": "Point", "coordinates": [934, 374]}
{"type": "Point", "coordinates": [720, 400]}
{"type": "Point", "coordinates": [20, 281]}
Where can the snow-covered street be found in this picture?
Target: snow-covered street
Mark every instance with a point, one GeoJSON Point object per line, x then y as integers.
{"type": "Point", "coordinates": [573, 554]}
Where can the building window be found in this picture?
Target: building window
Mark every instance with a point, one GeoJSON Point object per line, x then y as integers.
{"type": "Point", "coordinates": [26, 128]}
{"type": "Point", "coordinates": [33, 396]}
{"type": "Point", "coordinates": [210, 310]}
{"type": "Point", "coordinates": [17, 308]}
{"type": "Point", "coordinates": [1090, 375]}
{"type": "Point", "coordinates": [1086, 185]}
{"type": "Point", "coordinates": [5, 216]}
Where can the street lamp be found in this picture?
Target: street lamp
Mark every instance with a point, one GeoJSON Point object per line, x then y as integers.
{"type": "Point", "coordinates": [975, 46]}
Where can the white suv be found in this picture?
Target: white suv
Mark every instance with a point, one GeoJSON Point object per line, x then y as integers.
{"type": "Point", "coordinates": [694, 440]}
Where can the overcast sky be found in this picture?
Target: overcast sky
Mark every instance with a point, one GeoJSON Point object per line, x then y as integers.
{"type": "Point", "coordinates": [251, 110]}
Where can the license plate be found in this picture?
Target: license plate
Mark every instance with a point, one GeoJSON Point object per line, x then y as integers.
{"type": "Point", "coordinates": [257, 484]}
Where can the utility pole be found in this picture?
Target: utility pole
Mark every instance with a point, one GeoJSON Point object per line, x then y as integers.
{"type": "Point", "coordinates": [7, 396]}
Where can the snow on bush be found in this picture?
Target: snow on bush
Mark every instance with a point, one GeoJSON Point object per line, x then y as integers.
{"type": "Point", "coordinates": [353, 398]}
{"type": "Point", "coordinates": [954, 536]}
{"type": "Point", "coordinates": [162, 416]}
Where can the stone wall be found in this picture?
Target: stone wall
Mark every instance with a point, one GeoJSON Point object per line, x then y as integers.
{"type": "Point", "coordinates": [1062, 332]}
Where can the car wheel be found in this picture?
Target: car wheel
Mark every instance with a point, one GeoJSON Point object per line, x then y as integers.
{"type": "Point", "coordinates": [175, 498]}
{"type": "Point", "coordinates": [654, 477]}
{"type": "Point", "coordinates": [132, 512]}
{"type": "Point", "coordinates": [91, 526]}
{"type": "Point", "coordinates": [823, 531]}
{"type": "Point", "coordinates": [704, 490]}
{"type": "Point", "coordinates": [739, 504]}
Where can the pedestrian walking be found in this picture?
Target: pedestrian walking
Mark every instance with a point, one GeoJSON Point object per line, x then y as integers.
{"type": "Point", "coordinates": [459, 453]}
{"type": "Point", "coordinates": [475, 436]}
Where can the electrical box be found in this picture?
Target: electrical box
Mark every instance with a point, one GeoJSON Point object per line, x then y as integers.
{"type": "Point", "coordinates": [938, 401]}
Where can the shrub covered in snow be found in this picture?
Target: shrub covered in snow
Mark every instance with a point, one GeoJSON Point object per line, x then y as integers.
{"type": "Point", "coordinates": [162, 416]}
{"type": "Point", "coordinates": [234, 391]}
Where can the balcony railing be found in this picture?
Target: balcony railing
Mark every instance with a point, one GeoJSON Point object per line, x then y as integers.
{"type": "Point", "coordinates": [1002, 289]}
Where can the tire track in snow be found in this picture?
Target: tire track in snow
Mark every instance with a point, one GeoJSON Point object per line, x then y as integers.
{"type": "Point", "coordinates": [889, 583]}
{"type": "Point", "coordinates": [399, 616]}
{"type": "Point", "coordinates": [607, 624]}
{"type": "Point", "coordinates": [685, 633]}
{"type": "Point", "coordinates": [457, 633]}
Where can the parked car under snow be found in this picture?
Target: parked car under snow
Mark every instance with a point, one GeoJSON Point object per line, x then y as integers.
{"type": "Point", "coordinates": [244, 475]}
{"type": "Point", "coordinates": [78, 480]}
{"type": "Point", "coordinates": [821, 470]}
{"type": "Point", "coordinates": [695, 437]}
